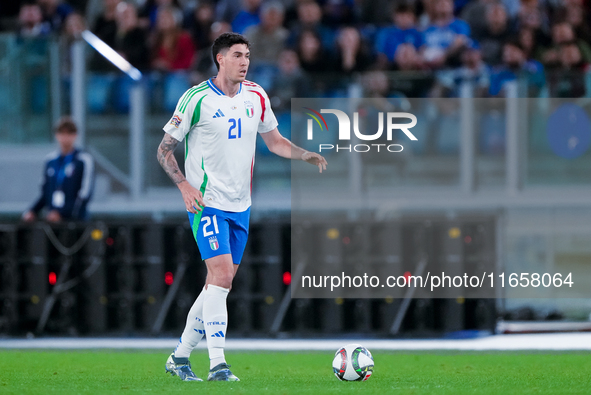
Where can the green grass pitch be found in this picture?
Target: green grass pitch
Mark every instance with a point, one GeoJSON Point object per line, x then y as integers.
{"type": "Point", "coordinates": [142, 372]}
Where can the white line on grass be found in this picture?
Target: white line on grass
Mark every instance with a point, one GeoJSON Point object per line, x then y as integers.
{"type": "Point", "coordinates": [563, 341]}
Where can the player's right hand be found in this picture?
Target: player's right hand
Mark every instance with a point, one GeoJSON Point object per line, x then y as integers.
{"type": "Point", "coordinates": [192, 197]}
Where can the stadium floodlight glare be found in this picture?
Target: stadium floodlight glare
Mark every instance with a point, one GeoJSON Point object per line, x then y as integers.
{"type": "Point", "coordinates": [111, 55]}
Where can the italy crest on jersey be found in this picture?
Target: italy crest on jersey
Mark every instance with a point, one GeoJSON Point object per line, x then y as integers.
{"type": "Point", "coordinates": [213, 243]}
{"type": "Point", "coordinates": [249, 108]}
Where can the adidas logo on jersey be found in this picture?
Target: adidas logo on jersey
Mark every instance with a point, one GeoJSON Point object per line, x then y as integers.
{"type": "Point", "coordinates": [218, 114]}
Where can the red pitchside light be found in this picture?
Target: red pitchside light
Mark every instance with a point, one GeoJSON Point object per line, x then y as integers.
{"type": "Point", "coordinates": [287, 278]}
{"type": "Point", "coordinates": [168, 278]}
{"type": "Point", "coordinates": [52, 278]}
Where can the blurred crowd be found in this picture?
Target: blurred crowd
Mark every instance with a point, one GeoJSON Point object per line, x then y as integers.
{"type": "Point", "coordinates": [303, 46]}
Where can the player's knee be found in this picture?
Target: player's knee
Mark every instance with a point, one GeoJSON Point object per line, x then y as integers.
{"type": "Point", "coordinates": [227, 280]}
{"type": "Point", "coordinates": [223, 280]}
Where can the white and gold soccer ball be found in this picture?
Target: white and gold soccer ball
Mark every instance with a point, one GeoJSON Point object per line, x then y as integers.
{"type": "Point", "coordinates": [353, 363]}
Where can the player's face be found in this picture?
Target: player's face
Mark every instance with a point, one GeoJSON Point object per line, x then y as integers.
{"type": "Point", "coordinates": [235, 62]}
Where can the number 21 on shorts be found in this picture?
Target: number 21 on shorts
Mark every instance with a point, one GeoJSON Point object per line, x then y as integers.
{"type": "Point", "coordinates": [208, 222]}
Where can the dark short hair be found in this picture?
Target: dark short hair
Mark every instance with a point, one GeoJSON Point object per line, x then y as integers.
{"type": "Point", "coordinates": [569, 43]}
{"type": "Point", "coordinates": [403, 8]}
{"type": "Point", "coordinates": [29, 3]}
{"type": "Point", "coordinates": [514, 42]}
{"type": "Point", "coordinates": [66, 125]}
{"type": "Point", "coordinates": [225, 41]}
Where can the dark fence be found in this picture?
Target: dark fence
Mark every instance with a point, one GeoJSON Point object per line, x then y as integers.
{"type": "Point", "coordinates": [128, 278]}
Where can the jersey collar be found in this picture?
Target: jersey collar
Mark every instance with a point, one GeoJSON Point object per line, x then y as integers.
{"type": "Point", "coordinates": [217, 90]}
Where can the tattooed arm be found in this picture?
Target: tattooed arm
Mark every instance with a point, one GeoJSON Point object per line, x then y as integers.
{"type": "Point", "coordinates": [171, 167]}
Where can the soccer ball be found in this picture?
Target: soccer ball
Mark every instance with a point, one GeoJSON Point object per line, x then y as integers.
{"type": "Point", "coordinates": [352, 363]}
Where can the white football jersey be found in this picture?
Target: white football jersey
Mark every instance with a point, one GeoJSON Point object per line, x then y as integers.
{"type": "Point", "coordinates": [220, 137]}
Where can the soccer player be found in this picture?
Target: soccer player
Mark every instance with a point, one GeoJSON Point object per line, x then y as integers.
{"type": "Point", "coordinates": [219, 120]}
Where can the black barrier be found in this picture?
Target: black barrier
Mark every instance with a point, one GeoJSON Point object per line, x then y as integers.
{"type": "Point", "coordinates": [9, 291]}
{"type": "Point", "coordinates": [138, 278]}
{"type": "Point", "coordinates": [31, 276]}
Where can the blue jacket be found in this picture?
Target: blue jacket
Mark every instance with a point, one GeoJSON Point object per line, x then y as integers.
{"type": "Point", "coordinates": [74, 175]}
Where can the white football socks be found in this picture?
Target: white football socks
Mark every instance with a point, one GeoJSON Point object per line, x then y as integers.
{"type": "Point", "coordinates": [215, 315]}
{"type": "Point", "coordinates": [194, 329]}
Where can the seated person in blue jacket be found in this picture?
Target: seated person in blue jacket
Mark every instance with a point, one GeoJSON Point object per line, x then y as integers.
{"type": "Point", "coordinates": [68, 179]}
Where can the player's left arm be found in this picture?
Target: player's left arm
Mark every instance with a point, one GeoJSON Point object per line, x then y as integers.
{"type": "Point", "coordinates": [281, 146]}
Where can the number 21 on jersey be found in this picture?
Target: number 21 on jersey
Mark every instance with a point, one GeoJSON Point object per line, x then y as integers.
{"type": "Point", "coordinates": [208, 222]}
{"type": "Point", "coordinates": [232, 132]}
